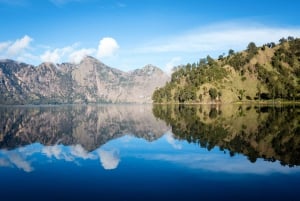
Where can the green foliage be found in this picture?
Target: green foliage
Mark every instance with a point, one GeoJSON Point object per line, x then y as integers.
{"type": "Point", "coordinates": [213, 93]}
{"type": "Point", "coordinates": [278, 77]}
{"type": "Point", "coordinates": [186, 82]}
{"type": "Point", "coordinates": [237, 61]}
{"type": "Point", "coordinates": [230, 52]}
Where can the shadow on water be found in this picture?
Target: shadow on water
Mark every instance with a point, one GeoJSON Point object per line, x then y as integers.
{"type": "Point", "coordinates": [271, 133]}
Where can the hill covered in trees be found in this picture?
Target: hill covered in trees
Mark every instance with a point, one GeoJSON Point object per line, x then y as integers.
{"type": "Point", "coordinates": [269, 72]}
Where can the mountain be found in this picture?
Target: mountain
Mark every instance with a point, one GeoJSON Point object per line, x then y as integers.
{"type": "Point", "coordinates": [270, 72]}
{"type": "Point", "coordinates": [90, 81]}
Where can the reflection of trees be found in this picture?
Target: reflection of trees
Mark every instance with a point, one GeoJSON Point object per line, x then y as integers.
{"type": "Point", "coordinates": [271, 133]}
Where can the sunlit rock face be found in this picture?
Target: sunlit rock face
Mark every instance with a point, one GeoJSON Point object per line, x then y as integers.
{"type": "Point", "coordinates": [89, 81]}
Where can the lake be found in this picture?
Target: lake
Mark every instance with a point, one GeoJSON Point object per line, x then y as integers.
{"type": "Point", "coordinates": [145, 152]}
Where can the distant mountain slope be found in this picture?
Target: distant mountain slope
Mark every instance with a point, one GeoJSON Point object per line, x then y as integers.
{"type": "Point", "coordinates": [269, 72]}
{"type": "Point", "coordinates": [90, 81]}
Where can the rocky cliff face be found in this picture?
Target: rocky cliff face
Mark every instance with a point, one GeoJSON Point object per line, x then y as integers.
{"type": "Point", "coordinates": [86, 82]}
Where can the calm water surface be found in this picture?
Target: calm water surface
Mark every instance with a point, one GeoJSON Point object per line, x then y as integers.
{"type": "Point", "coordinates": [140, 152]}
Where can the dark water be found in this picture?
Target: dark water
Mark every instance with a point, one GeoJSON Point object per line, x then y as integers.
{"type": "Point", "coordinates": [149, 153]}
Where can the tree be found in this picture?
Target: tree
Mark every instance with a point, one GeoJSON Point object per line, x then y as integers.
{"type": "Point", "coordinates": [202, 62]}
{"type": "Point", "coordinates": [201, 97]}
{"type": "Point", "coordinates": [251, 48]}
{"type": "Point", "coordinates": [219, 94]}
{"type": "Point", "coordinates": [210, 60]}
{"type": "Point", "coordinates": [241, 94]}
{"type": "Point", "coordinates": [213, 93]}
{"type": "Point", "coordinates": [230, 52]}
{"type": "Point", "coordinates": [282, 40]}
{"type": "Point", "coordinates": [188, 67]}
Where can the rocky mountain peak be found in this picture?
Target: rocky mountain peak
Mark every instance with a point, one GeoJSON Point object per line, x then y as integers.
{"type": "Point", "coordinates": [89, 59]}
{"type": "Point", "coordinates": [148, 70]}
{"type": "Point", "coordinates": [90, 81]}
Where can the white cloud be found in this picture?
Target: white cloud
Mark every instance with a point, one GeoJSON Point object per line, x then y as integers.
{"type": "Point", "coordinates": [170, 139]}
{"type": "Point", "coordinates": [221, 163]}
{"type": "Point", "coordinates": [109, 159]}
{"type": "Point", "coordinates": [19, 161]}
{"type": "Point", "coordinates": [78, 55]}
{"type": "Point", "coordinates": [219, 37]}
{"type": "Point", "coordinates": [107, 47]}
{"type": "Point", "coordinates": [51, 56]}
{"type": "Point", "coordinates": [4, 45]}
{"type": "Point", "coordinates": [79, 152]}
{"type": "Point", "coordinates": [170, 65]}
{"type": "Point", "coordinates": [57, 54]}
{"type": "Point", "coordinates": [19, 45]}
{"type": "Point", "coordinates": [52, 151]}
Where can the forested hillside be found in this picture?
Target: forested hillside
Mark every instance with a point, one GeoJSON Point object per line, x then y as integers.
{"type": "Point", "coordinates": [269, 72]}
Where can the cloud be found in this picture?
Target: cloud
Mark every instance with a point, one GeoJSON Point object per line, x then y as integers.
{"type": "Point", "coordinates": [109, 159]}
{"type": "Point", "coordinates": [68, 153]}
{"type": "Point", "coordinates": [57, 54]}
{"type": "Point", "coordinates": [79, 152]}
{"type": "Point", "coordinates": [107, 47]}
{"type": "Point", "coordinates": [78, 55]}
{"type": "Point", "coordinates": [4, 45]}
{"type": "Point", "coordinates": [218, 162]}
{"type": "Point", "coordinates": [219, 37]}
{"type": "Point", "coordinates": [52, 151]}
{"type": "Point", "coordinates": [20, 162]}
{"type": "Point", "coordinates": [19, 45]}
{"type": "Point", "coordinates": [170, 139]}
{"type": "Point", "coordinates": [171, 64]}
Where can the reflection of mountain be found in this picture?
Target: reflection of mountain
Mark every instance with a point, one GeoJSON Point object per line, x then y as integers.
{"type": "Point", "coordinates": [89, 126]}
{"type": "Point", "coordinates": [271, 133]}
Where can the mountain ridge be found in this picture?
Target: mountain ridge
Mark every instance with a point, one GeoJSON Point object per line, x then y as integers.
{"type": "Point", "coordinates": [266, 74]}
{"type": "Point", "coordinates": [89, 81]}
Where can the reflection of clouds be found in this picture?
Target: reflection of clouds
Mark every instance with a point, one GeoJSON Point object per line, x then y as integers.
{"type": "Point", "coordinates": [20, 162]}
{"type": "Point", "coordinates": [4, 162]}
{"type": "Point", "coordinates": [74, 152]}
{"type": "Point", "coordinates": [15, 158]}
{"type": "Point", "coordinates": [79, 152]}
{"type": "Point", "coordinates": [170, 139]}
{"type": "Point", "coordinates": [52, 151]}
{"type": "Point", "coordinates": [221, 163]}
{"type": "Point", "coordinates": [21, 157]}
{"type": "Point", "coordinates": [109, 159]}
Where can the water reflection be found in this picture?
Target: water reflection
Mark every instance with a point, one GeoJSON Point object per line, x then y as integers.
{"type": "Point", "coordinates": [89, 126]}
{"type": "Point", "coordinates": [102, 133]}
{"type": "Point", "coordinates": [70, 133]}
{"type": "Point", "coordinates": [271, 133]}
{"type": "Point", "coordinates": [127, 153]}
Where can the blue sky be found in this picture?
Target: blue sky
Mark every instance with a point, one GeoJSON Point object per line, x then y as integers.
{"type": "Point", "coordinates": [128, 34]}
